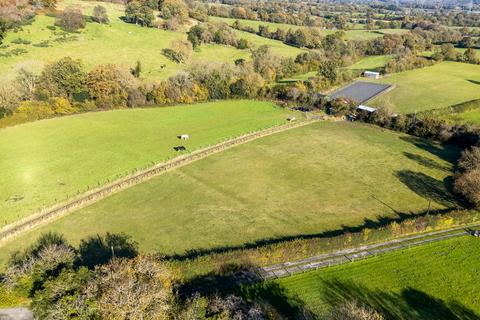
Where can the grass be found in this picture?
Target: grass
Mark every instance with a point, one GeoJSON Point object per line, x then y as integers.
{"type": "Point", "coordinates": [276, 46]}
{"type": "Point", "coordinates": [467, 117]}
{"type": "Point", "coordinates": [119, 42]}
{"type": "Point", "coordinates": [433, 87]}
{"type": "Point", "coordinates": [299, 182]}
{"type": "Point", "coordinates": [48, 161]}
{"type": "Point", "coordinates": [371, 63]}
{"type": "Point", "coordinates": [9, 299]}
{"type": "Point", "coordinates": [433, 281]}
{"type": "Point", "coordinates": [472, 116]}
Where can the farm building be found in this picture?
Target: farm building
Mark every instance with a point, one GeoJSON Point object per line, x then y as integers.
{"type": "Point", "coordinates": [371, 74]}
{"type": "Point", "coordinates": [366, 108]}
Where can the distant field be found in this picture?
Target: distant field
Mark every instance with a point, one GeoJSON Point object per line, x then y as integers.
{"type": "Point", "coordinates": [430, 282]}
{"type": "Point", "coordinates": [47, 161]}
{"type": "Point", "coordinates": [438, 86]}
{"type": "Point", "coordinates": [371, 63]}
{"type": "Point", "coordinates": [119, 42]}
{"type": "Point", "coordinates": [350, 34]}
{"type": "Point", "coordinates": [275, 45]}
{"type": "Point", "coordinates": [299, 182]}
{"type": "Point", "coordinates": [367, 63]}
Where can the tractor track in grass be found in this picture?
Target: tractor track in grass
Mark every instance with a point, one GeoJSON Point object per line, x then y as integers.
{"type": "Point", "coordinates": [100, 193]}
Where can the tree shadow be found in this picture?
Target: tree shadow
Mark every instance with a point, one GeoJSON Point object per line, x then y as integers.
{"type": "Point", "coordinates": [426, 162]}
{"type": "Point", "coordinates": [450, 154]}
{"type": "Point", "coordinates": [275, 295]}
{"type": "Point", "coordinates": [428, 187]}
{"type": "Point", "coordinates": [245, 281]}
{"type": "Point", "coordinates": [379, 222]}
{"type": "Point", "coordinates": [227, 279]}
{"type": "Point", "coordinates": [474, 81]}
{"type": "Point", "coordinates": [97, 250]}
{"type": "Point", "coordinates": [410, 303]}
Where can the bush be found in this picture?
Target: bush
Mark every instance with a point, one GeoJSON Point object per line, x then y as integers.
{"type": "Point", "coordinates": [468, 185]}
{"type": "Point", "coordinates": [100, 15]}
{"type": "Point", "coordinates": [71, 19]}
{"type": "Point", "coordinates": [467, 182]}
{"type": "Point", "coordinates": [180, 51]}
{"type": "Point", "coordinates": [139, 13]}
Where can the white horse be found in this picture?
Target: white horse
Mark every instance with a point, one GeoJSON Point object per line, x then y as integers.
{"type": "Point", "coordinates": [184, 137]}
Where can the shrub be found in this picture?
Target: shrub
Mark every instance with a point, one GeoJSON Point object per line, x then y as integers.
{"type": "Point", "coordinates": [352, 310]}
{"type": "Point", "coordinates": [180, 51]}
{"type": "Point", "coordinates": [71, 19]}
{"type": "Point", "coordinates": [139, 13]}
{"type": "Point", "coordinates": [100, 15]}
{"type": "Point", "coordinates": [141, 288]}
{"type": "Point", "coordinates": [467, 182]}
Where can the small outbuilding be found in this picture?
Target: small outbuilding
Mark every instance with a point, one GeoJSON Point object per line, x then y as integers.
{"type": "Point", "coordinates": [366, 108]}
{"type": "Point", "coordinates": [371, 74]}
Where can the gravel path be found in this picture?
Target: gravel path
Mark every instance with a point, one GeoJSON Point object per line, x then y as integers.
{"type": "Point", "coordinates": [16, 314]}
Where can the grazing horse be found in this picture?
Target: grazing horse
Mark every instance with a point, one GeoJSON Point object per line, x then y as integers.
{"type": "Point", "coordinates": [184, 137]}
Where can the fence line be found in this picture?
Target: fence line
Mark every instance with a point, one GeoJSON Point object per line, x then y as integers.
{"type": "Point", "coordinates": [95, 195]}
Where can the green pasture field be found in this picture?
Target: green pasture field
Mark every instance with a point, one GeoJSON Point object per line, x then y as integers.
{"type": "Point", "coordinates": [302, 181]}
{"type": "Point", "coordinates": [300, 77]}
{"type": "Point", "coordinates": [371, 63]}
{"type": "Point", "coordinates": [433, 87]}
{"type": "Point", "coordinates": [50, 160]}
{"type": "Point", "coordinates": [432, 281]}
{"type": "Point", "coordinates": [276, 46]}
{"type": "Point", "coordinates": [350, 34]}
{"type": "Point", "coordinates": [119, 42]}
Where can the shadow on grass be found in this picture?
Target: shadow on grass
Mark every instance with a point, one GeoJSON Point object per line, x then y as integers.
{"type": "Point", "coordinates": [243, 280]}
{"type": "Point", "coordinates": [380, 222]}
{"type": "Point", "coordinates": [474, 81]}
{"type": "Point", "coordinates": [410, 303]}
{"type": "Point", "coordinates": [226, 280]}
{"type": "Point", "coordinates": [426, 162]}
{"type": "Point", "coordinates": [449, 154]}
{"type": "Point", "coordinates": [429, 188]}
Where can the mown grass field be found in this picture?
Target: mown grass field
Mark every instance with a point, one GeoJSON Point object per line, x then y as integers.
{"type": "Point", "coordinates": [433, 281]}
{"type": "Point", "coordinates": [349, 35]}
{"type": "Point", "coordinates": [303, 181]}
{"type": "Point", "coordinates": [47, 161]}
{"type": "Point", "coordinates": [438, 86]}
{"type": "Point", "coordinates": [119, 42]}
